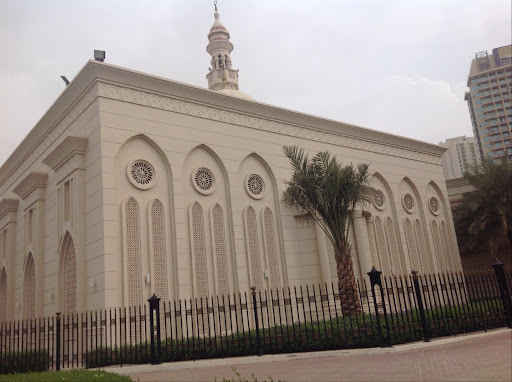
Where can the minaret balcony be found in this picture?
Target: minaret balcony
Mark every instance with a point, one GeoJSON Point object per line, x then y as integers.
{"type": "Point", "coordinates": [216, 80]}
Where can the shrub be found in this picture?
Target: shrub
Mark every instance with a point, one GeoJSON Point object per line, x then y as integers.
{"type": "Point", "coordinates": [24, 362]}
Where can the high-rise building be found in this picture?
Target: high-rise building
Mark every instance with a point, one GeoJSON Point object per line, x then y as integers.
{"type": "Point", "coordinates": [461, 155]}
{"type": "Point", "coordinates": [490, 102]}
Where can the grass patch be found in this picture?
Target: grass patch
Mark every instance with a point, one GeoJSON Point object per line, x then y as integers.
{"type": "Point", "coordinates": [240, 378]}
{"type": "Point", "coordinates": [73, 375]}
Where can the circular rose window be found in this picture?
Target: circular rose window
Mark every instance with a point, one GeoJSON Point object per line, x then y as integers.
{"type": "Point", "coordinates": [255, 186]}
{"type": "Point", "coordinates": [379, 199]}
{"type": "Point", "coordinates": [433, 204]}
{"type": "Point", "coordinates": [203, 180]}
{"type": "Point", "coordinates": [141, 174]}
{"type": "Point", "coordinates": [408, 203]}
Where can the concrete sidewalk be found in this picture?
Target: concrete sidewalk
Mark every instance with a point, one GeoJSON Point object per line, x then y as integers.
{"type": "Point", "coordinates": [472, 357]}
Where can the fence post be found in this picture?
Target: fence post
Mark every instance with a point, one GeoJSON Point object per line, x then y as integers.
{"type": "Point", "coordinates": [375, 280]}
{"type": "Point", "coordinates": [57, 342]}
{"type": "Point", "coordinates": [419, 301]}
{"type": "Point", "coordinates": [258, 345]}
{"type": "Point", "coordinates": [504, 292]}
{"type": "Point", "coordinates": [154, 306]}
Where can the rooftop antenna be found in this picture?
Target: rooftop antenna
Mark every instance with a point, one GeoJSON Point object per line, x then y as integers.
{"type": "Point", "coordinates": [65, 80]}
{"type": "Point", "coordinates": [99, 55]}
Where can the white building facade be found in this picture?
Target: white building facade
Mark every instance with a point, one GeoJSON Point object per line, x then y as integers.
{"type": "Point", "coordinates": [132, 184]}
{"type": "Point", "coordinates": [461, 156]}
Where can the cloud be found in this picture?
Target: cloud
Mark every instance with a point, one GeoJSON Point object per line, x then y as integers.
{"type": "Point", "coordinates": [397, 66]}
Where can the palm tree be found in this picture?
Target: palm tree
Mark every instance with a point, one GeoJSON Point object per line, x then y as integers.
{"type": "Point", "coordinates": [486, 213]}
{"type": "Point", "coordinates": [327, 191]}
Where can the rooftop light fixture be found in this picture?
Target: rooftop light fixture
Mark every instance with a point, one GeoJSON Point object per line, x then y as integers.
{"type": "Point", "coordinates": [99, 55]}
{"type": "Point", "coordinates": [65, 80]}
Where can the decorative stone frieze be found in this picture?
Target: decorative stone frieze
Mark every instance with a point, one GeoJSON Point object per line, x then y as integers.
{"type": "Point", "coordinates": [32, 188]}
{"type": "Point", "coordinates": [67, 157]}
{"type": "Point", "coordinates": [158, 101]}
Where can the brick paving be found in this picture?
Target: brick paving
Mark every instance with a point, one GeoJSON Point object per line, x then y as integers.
{"type": "Point", "coordinates": [481, 357]}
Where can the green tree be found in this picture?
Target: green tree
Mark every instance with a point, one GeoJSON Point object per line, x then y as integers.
{"type": "Point", "coordinates": [485, 213]}
{"type": "Point", "coordinates": [327, 191]}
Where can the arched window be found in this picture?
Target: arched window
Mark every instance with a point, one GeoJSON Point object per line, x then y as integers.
{"type": "Point", "coordinates": [396, 267]}
{"type": "Point", "coordinates": [159, 250]}
{"type": "Point", "coordinates": [199, 250]}
{"type": "Point", "coordinates": [69, 274]}
{"type": "Point", "coordinates": [447, 247]}
{"type": "Point", "coordinates": [271, 247]}
{"type": "Point", "coordinates": [3, 295]}
{"type": "Point", "coordinates": [439, 247]}
{"type": "Point", "coordinates": [253, 248]}
{"type": "Point", "coordinates": [29, 289]}
{"type": "Point", "coordinates": [411, 244]}
{"type": "Point", "coordinates": [133, 257]}
{"type": "Point", "coordinates": [221, 257]}
{"type": "Point", "coordinates": [382, 247]}
{"type": "Point", "coordinates": [424, 256]}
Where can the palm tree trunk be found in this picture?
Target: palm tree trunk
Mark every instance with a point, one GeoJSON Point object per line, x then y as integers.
{"type": "Point", "coordinates": [349, 297]}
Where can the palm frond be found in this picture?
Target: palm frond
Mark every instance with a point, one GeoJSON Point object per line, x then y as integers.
{"type": "Point", "coordinates": [326, 190]}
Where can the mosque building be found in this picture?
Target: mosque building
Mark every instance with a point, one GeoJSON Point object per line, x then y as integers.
{"type": "Point", "coordinates": [133, 184]}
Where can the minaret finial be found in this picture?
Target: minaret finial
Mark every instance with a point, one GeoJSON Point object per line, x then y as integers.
{"type": "Point", "coordinates": [215, 3]}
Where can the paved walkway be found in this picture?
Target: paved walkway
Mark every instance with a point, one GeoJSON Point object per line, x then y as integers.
{"type": "Point", "coordinates": [473, 357]}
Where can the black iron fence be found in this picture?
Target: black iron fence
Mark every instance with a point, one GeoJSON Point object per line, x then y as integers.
{"type": "Point", "coordinates": [394, 310]}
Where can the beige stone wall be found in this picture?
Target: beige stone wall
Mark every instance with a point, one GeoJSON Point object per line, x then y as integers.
{"type": "Point", "coordinates": [125, 116]}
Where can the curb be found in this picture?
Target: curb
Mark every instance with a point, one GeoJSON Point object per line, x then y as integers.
{"type": "Point", "coordinates": [168, 366]}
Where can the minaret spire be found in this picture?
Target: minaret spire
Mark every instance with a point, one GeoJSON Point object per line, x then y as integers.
{"type": "Point", "coordinates": [221, 75]}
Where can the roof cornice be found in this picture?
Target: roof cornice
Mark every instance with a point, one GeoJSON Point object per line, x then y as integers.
{"type": "Point", "coordinates": [145, 82]}
{"type": "Point", "coordinates": [86, 87]}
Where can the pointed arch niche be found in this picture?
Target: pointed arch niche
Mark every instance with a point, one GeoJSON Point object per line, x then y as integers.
{"type": "Point", "coordinates": [29, 288]}
{"type": "Point", "coordinates": [441, 231]}
{"type": "Point", "coordinates": [145, 231]}
{"type": "Point", "coordinates": [208, 202]}
{"type": "Point", "coordinates": [261, 222]}
{"type": "Point", "coordinates": [68, 277]}
{"type": "Point", "coordinates": [383, 215]}
{"type": "Point", "coordinates": [416, 248]}
{"type": "Point", "coordinates": [3, 294]}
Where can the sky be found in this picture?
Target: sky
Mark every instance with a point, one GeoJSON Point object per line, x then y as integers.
{"type": "Point", "coordinates": [396, 66]}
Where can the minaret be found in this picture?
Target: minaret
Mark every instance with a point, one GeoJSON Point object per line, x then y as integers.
{"type": "Point", "coordinates": [221, 75]}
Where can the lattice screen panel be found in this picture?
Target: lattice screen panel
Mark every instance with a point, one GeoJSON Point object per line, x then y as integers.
{"type": "Point", "coordinates": [411, 244]}
{"type": "Point", "coordinates": [439, 248]}
{"type": "Point", "coordinates": [70, 305]}
{"type": "Point", "coordinates": [159, 251]}
{"type": "Point", "coordinates": [254, 251]}
{"type": "Point", "coordinates": [29, 295]}
{"type": "Point", "coordinates": [134, 261]}
{"type": "Point", "coordinates": [447, 247]}
{"type": "Point", "coordinates": [382, 247]}
{"type": "Point", "coordinates": [424, 255]}
{"type": "Point", "coordinates": [201, 267]}
{"type": "Point", "coordinates": [393, 246]}
{"type": "Point", "coordinates": [270, 241]}
{"type": "Point", "coordinates": [219, 237]}
{"type": "Point", "coordinates": [220, 250]}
